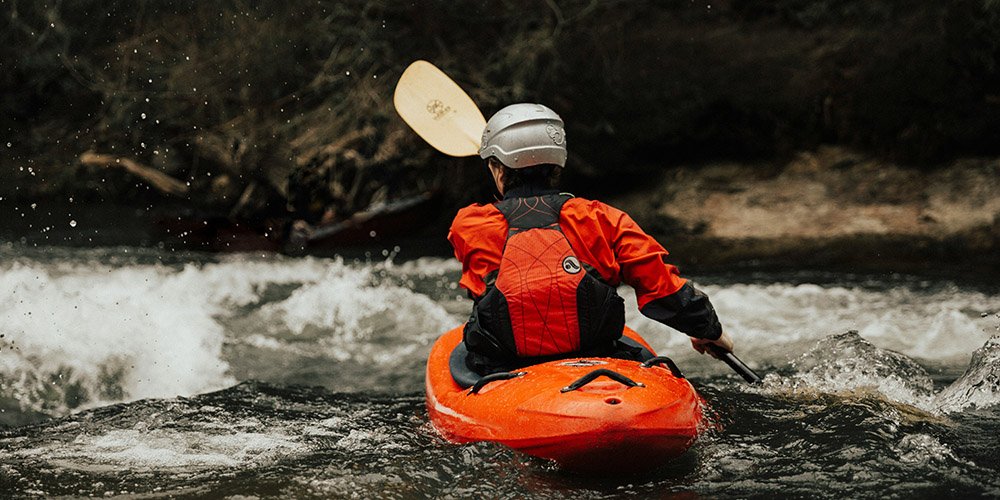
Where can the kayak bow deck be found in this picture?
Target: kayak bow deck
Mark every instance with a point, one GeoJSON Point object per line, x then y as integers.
{"type": "Point", "coordinates": [587, 414]}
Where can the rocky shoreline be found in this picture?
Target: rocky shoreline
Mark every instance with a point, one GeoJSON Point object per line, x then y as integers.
{"type": "Point", "coordinates": [828, 208]}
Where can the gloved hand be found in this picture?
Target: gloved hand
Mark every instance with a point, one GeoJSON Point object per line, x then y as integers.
{"type": "Point", "coordinates": [724, 341]}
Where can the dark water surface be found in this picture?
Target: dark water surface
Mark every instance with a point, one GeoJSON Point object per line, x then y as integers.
{"type": "Point", "coordinates": [144, 373]}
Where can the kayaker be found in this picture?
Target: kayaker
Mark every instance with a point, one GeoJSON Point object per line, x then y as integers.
{"type": "Point", "coordinates": [543, 267]}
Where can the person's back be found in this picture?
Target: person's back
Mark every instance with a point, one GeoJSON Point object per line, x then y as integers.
{"type": "Point", "coordinates": [543, 267]}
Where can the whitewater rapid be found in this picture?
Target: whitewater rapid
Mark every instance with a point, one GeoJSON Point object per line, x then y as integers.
{"type": "Point", "coordinates": [111, 325]}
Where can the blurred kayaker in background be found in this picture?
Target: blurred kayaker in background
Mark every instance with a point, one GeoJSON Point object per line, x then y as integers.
{"type": "Point", "coordinates": [543, 267]}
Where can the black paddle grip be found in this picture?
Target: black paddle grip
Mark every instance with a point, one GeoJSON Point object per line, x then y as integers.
{"type": "Point", "coordinates": [735, 363]}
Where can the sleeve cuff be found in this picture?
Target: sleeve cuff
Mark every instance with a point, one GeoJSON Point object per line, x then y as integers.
{"type": "Point", "coordinates": [687, 310]}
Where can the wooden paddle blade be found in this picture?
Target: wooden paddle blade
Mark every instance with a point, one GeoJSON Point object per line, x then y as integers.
{"type": "Point", "coordinates": [437, 109]}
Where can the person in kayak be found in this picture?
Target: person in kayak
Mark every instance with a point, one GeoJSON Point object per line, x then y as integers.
{"type": "Point", "coordinates": [543, 267]}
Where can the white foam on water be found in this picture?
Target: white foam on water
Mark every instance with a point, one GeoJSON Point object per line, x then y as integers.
{"type": "Point", "coordinates": [352, 318]}
{"type": "Point", "coordinates": [101, 333]}
{"type": "Point", "coordinates": [848, 364]}
{"type": "Point", "coordinates": [166, 449]}
{"type": "Point", "coordinates": [773, 323]}
{"type": "Point", "coordinates": [118, 333]}
{"type": "Point", "coordinates": [355, 485]}
{"type": "Point", "coordinates": [429, 266]}
{"type": "Point", "coordinates": [733, 458]}
{"type": "Point", "coordinates": [364, 313]}
{"type": "Point", "coordinates": [363, 440]}
{"type": "Point", "coordinates": [328, 427]}
{"type": "Point", "coordinates": [979, 386]}
{"type": "Point", "coordinates": [923, 449]}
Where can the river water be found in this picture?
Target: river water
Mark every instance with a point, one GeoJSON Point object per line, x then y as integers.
{"type": "Point", "coordinates": [141, 372]}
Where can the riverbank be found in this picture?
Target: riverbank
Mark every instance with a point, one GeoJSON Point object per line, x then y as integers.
{"type": "Point", "coordinates": [172, 129]}
{"type": "Point", "coordinates": [285, 110]}
{"type": "Point", "coordinates": [831, 208]}
{"type": "Point", "coordinates": [827, 208]}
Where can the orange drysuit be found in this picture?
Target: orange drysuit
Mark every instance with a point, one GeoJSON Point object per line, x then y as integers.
{"type": "Point", "coordinates": [603, 237]}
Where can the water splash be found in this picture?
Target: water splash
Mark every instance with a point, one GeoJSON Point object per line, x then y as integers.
{"type": "Point", "coordinates": [979, 386]}
{"type": "Point", "coordinates": [141, 448]}
{"type": "Point", "coordinates": [85, 333]}
{"type": "Point", "coordinates": [351, 318]}
{"type": "Point", "coordinates": [772, 324]}
{"type": "Point", "coordinates": [215, 438]}
{"type": "Point", "coordinates": [924, 449]}
{"type": "Point", "coordinates": [847, 363]}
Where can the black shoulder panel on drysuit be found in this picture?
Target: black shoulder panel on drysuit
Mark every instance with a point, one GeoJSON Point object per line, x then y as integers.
{"type": "Point", "coordinates": [532, 212]}
{"type": "Point", "coordinates": [687, 310]}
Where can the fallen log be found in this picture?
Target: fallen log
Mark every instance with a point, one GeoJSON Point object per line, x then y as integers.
{"type": "Point", "coordinates": [158, 180]}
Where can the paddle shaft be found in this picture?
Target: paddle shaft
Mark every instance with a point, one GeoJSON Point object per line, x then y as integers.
{"type": "Point", "coordinates": [735, 363]}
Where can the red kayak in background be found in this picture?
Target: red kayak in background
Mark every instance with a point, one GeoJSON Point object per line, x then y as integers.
{"type": "Point", "coordinates": [587, 414]}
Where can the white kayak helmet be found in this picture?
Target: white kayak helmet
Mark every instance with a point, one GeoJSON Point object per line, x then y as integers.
{"type": "Point", "coordinates": [525, 135]}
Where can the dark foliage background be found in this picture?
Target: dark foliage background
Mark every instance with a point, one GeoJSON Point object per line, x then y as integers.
{"type": "Point", "coordinates": [235, 97]}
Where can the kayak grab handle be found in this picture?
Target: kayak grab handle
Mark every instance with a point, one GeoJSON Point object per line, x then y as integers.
{"type": "Point", "coordinates": [493, 377]}
{"type": "Point", "coordinates": [663, 360]}
{"type": "Point", "coordinates": [601, 372]}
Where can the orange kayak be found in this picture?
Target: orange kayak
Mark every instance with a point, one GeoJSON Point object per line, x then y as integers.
{"type": "Point", "coordinates": [587, 414]}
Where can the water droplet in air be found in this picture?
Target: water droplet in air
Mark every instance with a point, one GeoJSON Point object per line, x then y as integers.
{"type": "Point", "coordinates": [72, 223]}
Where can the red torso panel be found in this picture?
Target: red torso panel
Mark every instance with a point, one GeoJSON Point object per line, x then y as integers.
{"type": "Point", "coordinates": [600, 235]}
